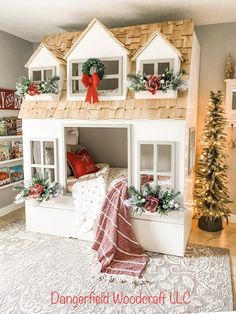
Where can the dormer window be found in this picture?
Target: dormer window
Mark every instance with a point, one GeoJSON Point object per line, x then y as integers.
{"type": "Point", "coordinates": [157, 67]}
{"type": "Point", "coordinates": [110, 85]}
{"type": "Point", "coordinates": [41, 74]}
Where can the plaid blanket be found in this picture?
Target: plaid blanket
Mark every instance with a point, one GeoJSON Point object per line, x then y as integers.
{"type": "Point", "coordinates": [117, 249]}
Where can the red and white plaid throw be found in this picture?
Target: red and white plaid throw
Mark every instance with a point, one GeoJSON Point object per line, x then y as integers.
{"type": "Point", "coordinates": [117, 249]}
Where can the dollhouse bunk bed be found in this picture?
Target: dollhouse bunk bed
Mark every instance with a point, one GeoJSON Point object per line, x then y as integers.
{"type": "Point", "coordinates": [142, 136]}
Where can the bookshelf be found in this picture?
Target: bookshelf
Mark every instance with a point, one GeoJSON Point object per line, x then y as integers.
{"type": "Point", "coordinates": [10, 137]}
{"type": "Point", "coordinates": [11, 184]}
{"type": "Point", "coordinates": [11, 152]}
{"type": "Point", "coordinates": [9, 161]}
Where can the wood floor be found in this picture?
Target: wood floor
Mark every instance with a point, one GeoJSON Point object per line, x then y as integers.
{"type": "Point", "coordinates": [226, 238]}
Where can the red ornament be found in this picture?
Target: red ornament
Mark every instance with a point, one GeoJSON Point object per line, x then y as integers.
{"type": "Point", "coordinates": [33, 89]}
{"type": "Point", "coordinates": [91, 82]}
{"type": "Point", "coordinates": [36, 190]}
{"type": "Point", "coordinates": [151, 204]}
{"type": "Point", "coordinates": [153, 83]}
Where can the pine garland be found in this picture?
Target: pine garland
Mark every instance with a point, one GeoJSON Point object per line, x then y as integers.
{"type": "Point", "coordinates": [211, 194]}
{"type": "Point", "coordinates": [39, 189]}
{"type": "Point", "coordinates": [27, 86]}
{"type": "Point", "coordinates": [166, 81]}
{"type": "Point", "coordinates": [153, 200]}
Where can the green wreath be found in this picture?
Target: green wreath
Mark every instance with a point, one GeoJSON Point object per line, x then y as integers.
{"type": "Point", "coordinates": [93, 62]}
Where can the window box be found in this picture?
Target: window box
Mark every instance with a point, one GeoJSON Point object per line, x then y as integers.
{"type": "Point", "coordinates": [43, 97]}
{"type": "Point", "coordinates": [158, 95]}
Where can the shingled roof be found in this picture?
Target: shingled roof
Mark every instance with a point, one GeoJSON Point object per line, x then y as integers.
{"type": "Point", "coordinates": [120, 109]}
{"type": "Point", "coordinates": [178, 33]}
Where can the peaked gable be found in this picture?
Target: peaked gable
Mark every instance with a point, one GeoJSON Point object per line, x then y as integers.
{"type": "Point", "coordinates": [88, 29]}
{"type": "Point", "coordinates": [150, 39]}
{"type": "Point", "coordinates": [57, 56]}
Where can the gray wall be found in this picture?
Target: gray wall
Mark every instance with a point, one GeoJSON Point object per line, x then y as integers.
{"type": "Point", "coordinates": [106, 145]}
{"type": "Point", "coordinates": [14, 53]}
{"type": "Point", "coordinates": [216, 42]}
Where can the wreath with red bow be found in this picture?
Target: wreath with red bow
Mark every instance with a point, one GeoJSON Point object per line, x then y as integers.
{"type": "Point", "coordinates": [91, 81]}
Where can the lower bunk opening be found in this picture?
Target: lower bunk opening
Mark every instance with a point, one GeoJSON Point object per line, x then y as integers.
{"type": "Point", "coordinates": [90, 149]}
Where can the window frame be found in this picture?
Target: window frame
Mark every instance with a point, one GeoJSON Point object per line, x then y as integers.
{"type": "Point", "coordinates": [155, 62]}
{"type": "Point", "coordinates": [42, 69]}
{"type": "Point", "coordinates": [232, 91]}
{"type": "Point", "coordinates": [118, 76]}
{"type": "Point", "coordinates": [154, 171]}
{"type": "Point", "coordinates": [42, 166]}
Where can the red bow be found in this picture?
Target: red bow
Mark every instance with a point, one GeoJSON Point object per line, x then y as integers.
{"type": "Point", "coordinates": [91, 82]}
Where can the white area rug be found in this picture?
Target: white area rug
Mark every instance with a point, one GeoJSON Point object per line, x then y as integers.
{"type": "Point", "coordinates": [33, 265]}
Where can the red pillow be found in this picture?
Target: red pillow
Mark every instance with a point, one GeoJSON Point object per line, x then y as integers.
{"type": "Point", "coordinates": [81, 163]}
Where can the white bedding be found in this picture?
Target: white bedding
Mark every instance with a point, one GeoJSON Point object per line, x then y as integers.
{"type": "Point", "coordinates": [88, 194]}
{"type": "Point", "coordinates": [115, 174]}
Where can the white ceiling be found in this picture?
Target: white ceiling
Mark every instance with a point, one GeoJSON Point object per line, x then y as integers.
{"type": "Point", "coordinates": [31, 19]}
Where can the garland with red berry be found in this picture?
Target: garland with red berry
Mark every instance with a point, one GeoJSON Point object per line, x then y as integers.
{"type": "Point", "coordinates": [153, 83]}
{"type": "Point", "coordinates": [27, 86]}
{"type": "Point", "coordinates": [154, 200]}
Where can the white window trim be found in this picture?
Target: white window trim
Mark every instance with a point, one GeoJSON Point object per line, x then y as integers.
{"type": "Point", "coordinates": [42, 69]}
{"type": "Point", "coordinates": [155, 62]}
{"type": "Point", "coordinates": [42, 165]}
{"type": "Point", "coordinates": [154, 172]}
{"type": "Point", "coordinates": [232, 90]}
{"type": "Point", "coordinates": [119, 76]}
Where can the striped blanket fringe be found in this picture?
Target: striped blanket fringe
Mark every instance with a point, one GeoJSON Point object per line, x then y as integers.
{"type": "Point", "coordinates": [120, 255]}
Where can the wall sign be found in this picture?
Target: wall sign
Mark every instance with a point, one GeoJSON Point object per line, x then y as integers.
{"type": "Point", "coordinates": [9, 100]}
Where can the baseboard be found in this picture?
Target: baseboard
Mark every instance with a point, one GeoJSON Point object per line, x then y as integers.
{"type": "Point", "coordinates": [10, 208]}
{"type": "Point", "coordinates": [232, 219]}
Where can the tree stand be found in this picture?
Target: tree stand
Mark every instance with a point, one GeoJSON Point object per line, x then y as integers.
{"type": "Point", "coordinates": [210, 225]}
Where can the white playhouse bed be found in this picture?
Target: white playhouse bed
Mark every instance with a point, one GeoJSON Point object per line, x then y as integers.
{"type": "Point", "coordinates": [149, 135]}
{"type": "Point", "coordinates": [166, 234]}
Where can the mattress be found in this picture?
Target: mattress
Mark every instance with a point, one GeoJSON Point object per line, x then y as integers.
{"type": "Point", "coordinates": [115, 174]}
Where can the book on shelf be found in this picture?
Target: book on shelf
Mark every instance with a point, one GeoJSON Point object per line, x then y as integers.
{"type": "Point", "coordinates": [18, 126]}
{"type": "Point", "coordinates": [11, 125]}
{"type": "Point", "coordinates": [16, 173]}
{"type": "Point", "coordinates": [4, 176]}
{"type": "Point", "coordinates": [16, 149]}
{"type": "Point", "coordinates": [4, 151]}
{"type": "Point", "coordinates": [3, 129]}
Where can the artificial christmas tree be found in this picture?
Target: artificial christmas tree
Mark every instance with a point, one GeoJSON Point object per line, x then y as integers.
{"type": "Point", "coordinates": [211, 194]}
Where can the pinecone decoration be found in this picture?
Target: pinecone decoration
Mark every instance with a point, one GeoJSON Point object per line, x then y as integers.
{"type": "Point", "coordinates": [229, 67]}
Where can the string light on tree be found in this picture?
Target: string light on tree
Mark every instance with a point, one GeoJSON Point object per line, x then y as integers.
{"type": "Point", "coordinates": [211, 195]}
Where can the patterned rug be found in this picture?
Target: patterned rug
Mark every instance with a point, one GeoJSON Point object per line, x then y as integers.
{"type": "Point", "coordinates": [47, 274]}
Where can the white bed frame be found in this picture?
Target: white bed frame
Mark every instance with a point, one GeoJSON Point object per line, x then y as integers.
{"type": "Point", "coordinates": [167, 234]}
{"type": "Point", "coordinates": [57, 217]}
